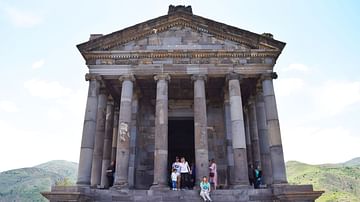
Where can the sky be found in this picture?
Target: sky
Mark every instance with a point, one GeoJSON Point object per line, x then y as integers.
{"type": "Point", "coordinates": [43, 90]}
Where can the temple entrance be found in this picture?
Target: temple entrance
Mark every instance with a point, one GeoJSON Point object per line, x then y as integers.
{"type": "Point", "coordinates": [181, 140]}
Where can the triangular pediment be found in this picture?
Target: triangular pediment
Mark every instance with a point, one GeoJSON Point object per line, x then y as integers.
{"type": "Point", "coordinates": [181, 30]}
{"type": "Point", "coordinates": [179, 38]}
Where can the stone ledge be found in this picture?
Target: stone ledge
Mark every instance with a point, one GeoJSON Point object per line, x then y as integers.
{"type": "Point", "coordinates": [66, 196]}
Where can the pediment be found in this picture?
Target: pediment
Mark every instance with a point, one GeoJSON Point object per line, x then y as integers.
{"type": "Point", "coordinates": [180, 38]}
{"type": "Point", "coordinates": [180, 31]}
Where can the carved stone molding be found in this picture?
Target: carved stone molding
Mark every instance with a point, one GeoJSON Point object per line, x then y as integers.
{"type": "Point", "coordinates": [128, 77]}
{"type": "Point", "coordinates": [195, 77]}
{"type": "Point", "coordinates": [234, 76]}
{"type": "Point", "coordinates": [89, 76]}
{"type": "Point", "coordinates": [268, 76]}
{"type": "Point", "coordinates": [165, 77]}
{"type": "Point", "coordinates": [118, 56]}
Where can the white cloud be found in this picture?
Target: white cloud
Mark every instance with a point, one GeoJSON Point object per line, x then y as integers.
{"type": "Point", "coordinates": [22, 18]}
{"type": "Point", "coordinates": [38, 64]}
{"type": "Point", "coordinates": [319, 145]}
{"type": "Point", "coordinates": [297, 67]}
{"type": "Point", "coordinates": [286, 86]}
{"type": "Point", "coordinates": [8, 106]}
{"type": "Point", "coordinates": [335, 96]}
{"type": "Point", "coordinates": [46, 89]}
{"type": "Point", "coordinates": [55, 114]}
{"type": "Point", "coordinates": [25, 147]}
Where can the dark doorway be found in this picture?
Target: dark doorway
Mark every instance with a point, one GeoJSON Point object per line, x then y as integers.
{"type": "Point", "coordinates": [181, 141]}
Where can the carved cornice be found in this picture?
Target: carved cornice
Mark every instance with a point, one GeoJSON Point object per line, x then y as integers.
{"type": "Point", "coordinates": [122, 55]}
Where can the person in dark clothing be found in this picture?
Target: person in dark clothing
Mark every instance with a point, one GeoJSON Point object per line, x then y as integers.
{"type": "Point", "coordinates": [251, 174]}
{"type": "Point", "coordinates": [110, 171]}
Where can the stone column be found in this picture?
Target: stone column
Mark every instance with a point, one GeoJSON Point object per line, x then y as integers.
{"type": "Point", "coordinates": [123, 139]}
{"type": "Point", "coordinates": [238, 132]}
{"type": "Point", "coordinates": [161, 132]}
{"type": "Point", "coordinates": [263, 138]}
{"type": "Point", "coordinates": [229, 149]}
{"type": "Point", "coordinates": [88, 135]}
{"type": "Point", "coordinates": [254, 133]}
{"type": "Point", "coordinates": [133, 137]}
{"type": "Point", "coordinates": [115, 132]}
{"type": "Point", "coordinates": [276, 150]}
{"type": "Point", "coordinates": [249, 154]}
{"type": "Point", "coordinates": [99, 138]}
{"type": "Point", "coordinates": [200, 126]}
{"type": "Point", "coordinates": [107, 142]}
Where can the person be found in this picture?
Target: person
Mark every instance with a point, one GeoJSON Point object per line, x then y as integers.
{"type": "Point", "coordinates": [110, 171]}
{"type": "Point", "coordinates": [213, 173]}
{"type": "Point", "coordinates": [185, 174]}
{"type": "Point", "coordinates": [205, 189]}
{"type": "Point", "coordinates": [258, 176]}
{"type": "Point", "coordinates": [176, 165]}
{"type": "Point", "coordinates": [251, 175]}
{"type": "Point", "coordinates": [174, 177]}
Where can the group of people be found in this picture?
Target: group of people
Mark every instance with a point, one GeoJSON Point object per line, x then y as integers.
{"type": "Point", "coordinates": [255, 176]}
{"type": "Point", "coordinates": [183, 176]}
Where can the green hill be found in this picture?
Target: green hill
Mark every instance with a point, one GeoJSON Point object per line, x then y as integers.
{"type": "Point", "coordinates": [25, 184]}
{"type": "Point", "coordinates": [341, 182]}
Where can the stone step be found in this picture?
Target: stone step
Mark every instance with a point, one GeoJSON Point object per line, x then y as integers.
{"type": "Point", "coordinates": [240, 195]}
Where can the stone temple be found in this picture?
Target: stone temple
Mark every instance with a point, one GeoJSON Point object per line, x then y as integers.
{"type": "Point", "coordinates": [181, 85]}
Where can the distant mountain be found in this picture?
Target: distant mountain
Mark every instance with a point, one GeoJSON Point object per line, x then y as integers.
{"type": "Point", "coordinates": [353, 162]}
{"type": "Point", "coordinates": [341, 182]}
{"type": "Point", "coordinates": [25, 184]}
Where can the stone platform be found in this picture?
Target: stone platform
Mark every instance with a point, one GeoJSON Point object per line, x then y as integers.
{"type": "Point", "coordinates": [303, 193]}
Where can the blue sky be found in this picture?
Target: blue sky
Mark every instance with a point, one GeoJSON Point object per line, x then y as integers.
{"type": "Point", "coordinates": [43, 90]}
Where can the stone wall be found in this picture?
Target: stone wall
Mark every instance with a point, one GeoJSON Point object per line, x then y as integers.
{"type": "Point", "coordinates": [217, 140]}
{"type": "Point", "coordinates": [145, 143]}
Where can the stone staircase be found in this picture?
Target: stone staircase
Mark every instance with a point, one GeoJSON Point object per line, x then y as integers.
{"type": "Point", "coordinates": [241, 195]}
{"type": "Point", "coordinates": [275, 193]}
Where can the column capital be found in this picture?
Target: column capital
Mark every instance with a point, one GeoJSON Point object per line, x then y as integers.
{"type": "Point", "coordinates": [268, 76]}
{"type": "Point", "coordinates": [90, 76]}
{"type": "Point", "coordinates": [165, 77]}
{"type": "Point", "coordinates": [127, 77]}
{"type": "Point", "coordinates": [234, 76]}
{"type": "Point", "coordinates": [195, 77]}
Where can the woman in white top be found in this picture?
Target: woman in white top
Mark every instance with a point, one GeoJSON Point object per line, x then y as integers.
{"type": "Point", "coordinates": [185, 174]}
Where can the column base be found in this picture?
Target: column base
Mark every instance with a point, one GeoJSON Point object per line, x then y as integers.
{"type": "Point", "coordinates": [286, 192]}
{"type": "Point", "coordinates": [121, 186]}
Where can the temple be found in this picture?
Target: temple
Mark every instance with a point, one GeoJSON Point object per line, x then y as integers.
{"type": "Point", "coordinates": [181, 85]}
